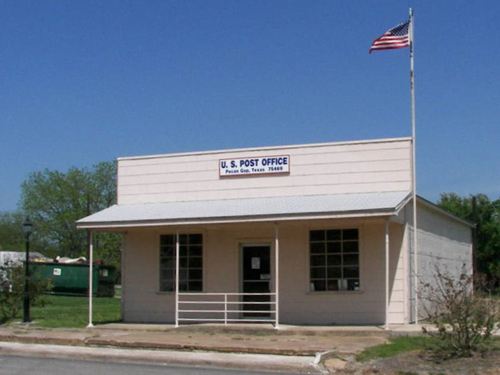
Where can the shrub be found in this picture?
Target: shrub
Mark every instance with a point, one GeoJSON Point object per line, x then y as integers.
{"type": "Point", "coordinates": [12, 280]}
{"type": "Point", "coordinates": [464, 320]}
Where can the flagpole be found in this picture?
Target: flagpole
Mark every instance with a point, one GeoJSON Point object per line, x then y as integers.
{"type": "Point", "coordinates": [413, 167]}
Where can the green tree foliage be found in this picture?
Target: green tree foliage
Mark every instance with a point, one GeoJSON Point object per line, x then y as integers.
{"type": "Point", "coordinates": [485, 213]}
{"type": "Point", "coordinates": [55, 201]}
{"type": "Point", "coordinates": [12, 237]}
{"type": "Point", "coordinates": [11, 234]}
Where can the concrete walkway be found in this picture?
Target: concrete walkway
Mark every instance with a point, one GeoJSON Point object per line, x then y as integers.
{"type": "Point", "coordinates": [296, 341]}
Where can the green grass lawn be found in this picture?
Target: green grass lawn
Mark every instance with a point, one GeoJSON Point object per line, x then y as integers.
{"type": "Point", "coordinates": [395, 346]}
{"type": "Point", "coordinates": [72, 312]}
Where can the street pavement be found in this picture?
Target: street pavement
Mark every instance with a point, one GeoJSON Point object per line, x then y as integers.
{"type": "Point", "coordinates": [194, 360]}
{"type": "Point", "coordinates": [11, 365]}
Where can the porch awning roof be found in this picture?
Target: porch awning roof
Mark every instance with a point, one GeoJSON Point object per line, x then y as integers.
{"type": "Point", "coordinates": [245, 210]}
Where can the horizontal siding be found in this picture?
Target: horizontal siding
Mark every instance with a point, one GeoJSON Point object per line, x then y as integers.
{"type": "Point", "coordinates": [397, 296]}
{"type": "Point", "coordinates": [443, 244]}
{"type": "Point", "coordinates": [262, 192]}
{"type": "Point", "coordinates": [396, 318]}
{"type": "Point", "coordinates": [296, 150]}
{"type": "Point", "coordinates": [396, 310]}
{"type": "Point", "coordinates": [206, 172]}
{"type": "Point", "coordinates": [246, 183]}
{"type": "Point", "coordinates": [329, 169]}
{"type": "Point", "coordinates": [198, 163]}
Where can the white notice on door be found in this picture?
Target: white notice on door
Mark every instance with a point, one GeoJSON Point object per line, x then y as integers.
{"type": "Point", "coordinates": [56, 272]}
{"type": "Point", "coordinates": [255, 263]}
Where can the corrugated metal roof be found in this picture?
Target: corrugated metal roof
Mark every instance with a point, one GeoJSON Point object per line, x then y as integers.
{"type": "Point", "coordinates": [241, 209]}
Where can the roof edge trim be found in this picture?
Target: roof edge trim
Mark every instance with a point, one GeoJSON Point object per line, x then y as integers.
{"type": "Point", "coordinates": [438, 209]}
{"type": "Point", "coordinates": [235, 220]}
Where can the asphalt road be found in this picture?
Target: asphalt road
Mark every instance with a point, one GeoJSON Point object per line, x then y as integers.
{"type": "Point", "coordinates": [10, 365]}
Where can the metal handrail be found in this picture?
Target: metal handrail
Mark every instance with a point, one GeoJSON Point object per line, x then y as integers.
{"type": "Point", "coordinates": [230, 302]}
{"type": "Point", "coordinates": [224, 294]}
{"type": "Point", "coordinates": [228, 307]}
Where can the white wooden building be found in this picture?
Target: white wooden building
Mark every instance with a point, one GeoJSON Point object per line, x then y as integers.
{"type": "Point", "coordinates": [302, 234]}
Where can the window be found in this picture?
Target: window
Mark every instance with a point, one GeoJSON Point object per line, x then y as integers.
{"type": "Point", "coordinates": [190, 263]}
{"type": "Point", "coordinates": [334, 259]}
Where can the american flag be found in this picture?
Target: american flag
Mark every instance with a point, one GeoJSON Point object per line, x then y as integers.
{"type": "Point", "coordinates": [397, 37]}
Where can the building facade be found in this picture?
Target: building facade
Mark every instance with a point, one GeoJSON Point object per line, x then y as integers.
{"type": "Point", "coordinates": [307, 234]}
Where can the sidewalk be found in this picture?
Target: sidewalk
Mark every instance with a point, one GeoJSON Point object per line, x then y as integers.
{"type": "Point", "coordinates": [291, 341]}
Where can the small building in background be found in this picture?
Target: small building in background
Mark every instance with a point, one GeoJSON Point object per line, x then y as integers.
{"type": "Point", "coordinates": [18, 257]}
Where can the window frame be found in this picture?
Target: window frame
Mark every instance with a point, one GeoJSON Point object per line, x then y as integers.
{"type": "Point", "coordinates": [181, 268]}
{"type": "Point", "coordinates": [341, 266]}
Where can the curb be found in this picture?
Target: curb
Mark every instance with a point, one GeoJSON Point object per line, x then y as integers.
{"type": "Point", "coordinates": [93, 342]}
{"type": "Point", "coordinates": [237, 361]}
{"type": "Point", "coordinates": [40, 340]}
{"type": "Point", "coordinates": [185, 347]}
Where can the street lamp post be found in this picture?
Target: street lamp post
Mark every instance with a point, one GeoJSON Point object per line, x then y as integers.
{"type": "Point", "coordinates": [27, 229]}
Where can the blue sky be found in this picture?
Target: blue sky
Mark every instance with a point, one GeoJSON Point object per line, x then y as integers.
{"type": "Point", "coordinates": [85, 81]}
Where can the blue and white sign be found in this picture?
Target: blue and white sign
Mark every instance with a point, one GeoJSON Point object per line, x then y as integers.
{"type": "Point", "coordinates": [276, 164]}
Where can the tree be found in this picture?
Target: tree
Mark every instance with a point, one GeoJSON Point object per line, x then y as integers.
{"type": "Point", "coordinates": [12, 237]}
{"type": "Point", "coordinates": [485, 213]}
{"type": "Point", "coordinates": [11, 234]}
{"type": "Point", "coordinates": [55, 201]}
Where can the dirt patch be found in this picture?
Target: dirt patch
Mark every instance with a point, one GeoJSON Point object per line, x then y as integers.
{"type": "Point", "coordinates": [416, 363]}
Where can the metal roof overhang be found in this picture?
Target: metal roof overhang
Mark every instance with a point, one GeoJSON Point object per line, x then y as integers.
{"type": "Point", "coordinates": [247, 210]}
